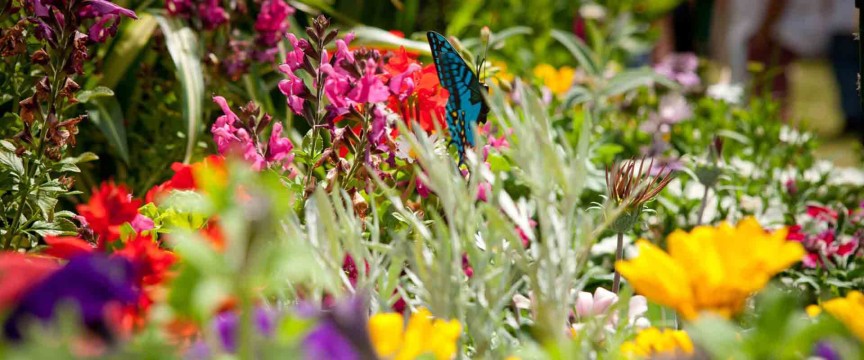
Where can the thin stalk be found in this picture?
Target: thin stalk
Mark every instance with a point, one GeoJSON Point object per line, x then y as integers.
{"type": "Point", "coordinates": [619, 254]}
{"type": "Point", "coordinates": [702, 206]}
{"type": "Point", "coordinates": [319, 83]}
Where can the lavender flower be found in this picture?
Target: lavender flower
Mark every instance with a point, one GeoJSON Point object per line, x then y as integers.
{"type": "Point", "coordinates": [680, 68]}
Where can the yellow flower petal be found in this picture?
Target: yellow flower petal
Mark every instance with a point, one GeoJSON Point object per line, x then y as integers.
{"type": "Point", "coordinates": [385, 331]}
{"type": "Point", "coordinates": [711, 268]}
{"type": "Point", "coordinates": [848, 310]}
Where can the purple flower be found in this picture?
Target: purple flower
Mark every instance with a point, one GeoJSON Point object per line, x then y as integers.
{"type": "Point", "coordinates": [88, 282]}
{"type": "Point", "coordinates": [226, 326]}
{"type": "Point", "coordinates": [673, 109]}
{"type": "Point", "coordinates": [680, 68]}
{"type": "Point", "coordinates": [342, 333]}
{"type": "Point", "coordinates": [97, 8]}
{"type": "Point", "coordinates": [825, 351]}
{"type": "Point", "coordinates": [327, 342]}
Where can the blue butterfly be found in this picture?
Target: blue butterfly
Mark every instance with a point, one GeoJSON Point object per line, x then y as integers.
{"type": "Point", "coordinates": [465, 106]}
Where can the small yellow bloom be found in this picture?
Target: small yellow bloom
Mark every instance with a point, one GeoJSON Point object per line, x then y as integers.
{"type": "Point", "coordinates": [558, 81]}
{"type": "Point", "coordinates": [813, 310]}
{"type": "Point", "coordinates": [653, 342]}
{"type": "Point", "coordinates": [497, 71]}
{"type": "Point", "coordinates": [712, 269]}
{"type": "Point", "coordinates": [423, 335]}
{"type": "Point", "coordinates": [848, 310]}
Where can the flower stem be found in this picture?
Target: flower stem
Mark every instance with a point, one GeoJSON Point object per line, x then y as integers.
{"type": "Point", "coordinates": [619, 254]}
{"type": "Point", "coordinates": [702, 206]}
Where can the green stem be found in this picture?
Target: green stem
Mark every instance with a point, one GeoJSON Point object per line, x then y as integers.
{"type": "Point", "coordinates": [619, 254]}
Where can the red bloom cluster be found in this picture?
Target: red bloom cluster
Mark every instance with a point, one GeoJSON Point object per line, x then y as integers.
{"type": "Point", "coordinates": [416, 93]}
{"type": "Point", "coordinates": [820, 233]}
{"type": "Point", "coordinates": [109, 207]}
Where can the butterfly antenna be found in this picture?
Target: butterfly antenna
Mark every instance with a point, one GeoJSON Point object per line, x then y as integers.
{"type": "Point", "coordinates": [485, 36]}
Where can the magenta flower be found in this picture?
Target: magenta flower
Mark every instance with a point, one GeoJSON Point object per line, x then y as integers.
{"type": "Point", "coordinates": [279, 148]}
{"type": "Point", "coordinates": [294, 58]}
{"type": "Point", "coordinates": [212, 14]}
{"type": "Point", "coordinates": [293, 88]}
{"type": "Point", "coordinates": [272, 22]}
{"type": "Point", "coordinates": [179, 8]}
{"type": "Point", "coordinates": [370, 88]}
{"type": "Point", "coordinates": [233, 135]}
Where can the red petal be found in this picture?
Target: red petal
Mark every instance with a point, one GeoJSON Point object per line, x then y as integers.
{"type": "Point", "coordinates": [66, 247]}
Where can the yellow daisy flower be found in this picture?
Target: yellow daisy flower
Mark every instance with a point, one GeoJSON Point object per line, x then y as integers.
{"type": "Point", "coordinates": [713, 269]}
{"type": "Point", "coordinates": [653, 342]}
{"type": "Point", "coordinates": [423, 335]}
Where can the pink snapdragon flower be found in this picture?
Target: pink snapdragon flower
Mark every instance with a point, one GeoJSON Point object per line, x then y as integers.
{"type": "Point", "coordinates": [233, 135]}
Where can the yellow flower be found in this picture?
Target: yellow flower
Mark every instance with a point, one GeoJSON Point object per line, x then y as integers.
{"type": "Point", "coordinates": [848, 310]}
{"type": "Point", "coordinates": [653, 342]}
{"type": "Point", "coordinates": [423, 335]}
{"type": "Point", "coordinates": [557, 80]}
{"type": "Point", "coordinates": [813, 310]}
{"type": "Point", "coordinates": [710, 269]}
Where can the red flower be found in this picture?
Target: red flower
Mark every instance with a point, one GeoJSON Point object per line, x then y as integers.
{"type": "Point", "coordinates": [821, 213]}
{"type": "Point", "coordinates": [426, 101]}
{"type": "Point", "coordinates": [151, 265]}
{"type": "Point", "coordinates": [184, 177]}
{"type": "Point", "coordinates": [66, 247]}
{"type": "Point", "coordinates": [19, 273]}
{"type": "Point", "coordinates": [109, 207]}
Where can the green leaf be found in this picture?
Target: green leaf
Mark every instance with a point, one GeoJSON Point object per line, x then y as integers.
{"type": "Point", "coordinates": [10, 160]}
{"type": "Point", "coordinates": [370, 36]}
{"type": "Point", "coordinates": [85, 96]}
{"type": "Point", "coordinates": [579, 50]}
{"type": "Point", "coordinates": [84, 157]}
{"type": "Point", "coordinates": [183, 47]}
{"type": "Point", "coordinates": [633, 79]}
{"type": "Point", "coordinates": [106, 113]}
{"type": "Point", "coordinates": [133, 38]}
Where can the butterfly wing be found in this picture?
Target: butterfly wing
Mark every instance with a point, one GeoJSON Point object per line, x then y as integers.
{"type": "Point", "coordinates": [465, 106]}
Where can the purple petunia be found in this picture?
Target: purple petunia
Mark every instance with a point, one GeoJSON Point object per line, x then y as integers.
{"type": "Point", "coordinates": [90, 283]}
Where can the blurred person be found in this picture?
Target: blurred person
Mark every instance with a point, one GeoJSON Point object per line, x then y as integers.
{"type": "Point", "coordinates": [843, 52]}
{"type": "Point", "coordinates": [774, 33]}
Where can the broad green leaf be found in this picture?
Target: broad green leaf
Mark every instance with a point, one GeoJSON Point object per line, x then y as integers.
{"type": "Point", "coordinates": [379, 38]}
{"type": "Point", "coordinates": [84, 157]}
{"type": "Point", "coordinates": [633, 79]}
{"type": "Point", "coordinates": [85, 96]}
{"type": "Point", "coordinates": [183, 46]}
{"type": "Point", "coordinates": [579, 50]}
{"type": "Point", "coordinates": [133, 38]}
{"type": "Point", "coordinates": [106, 113]}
